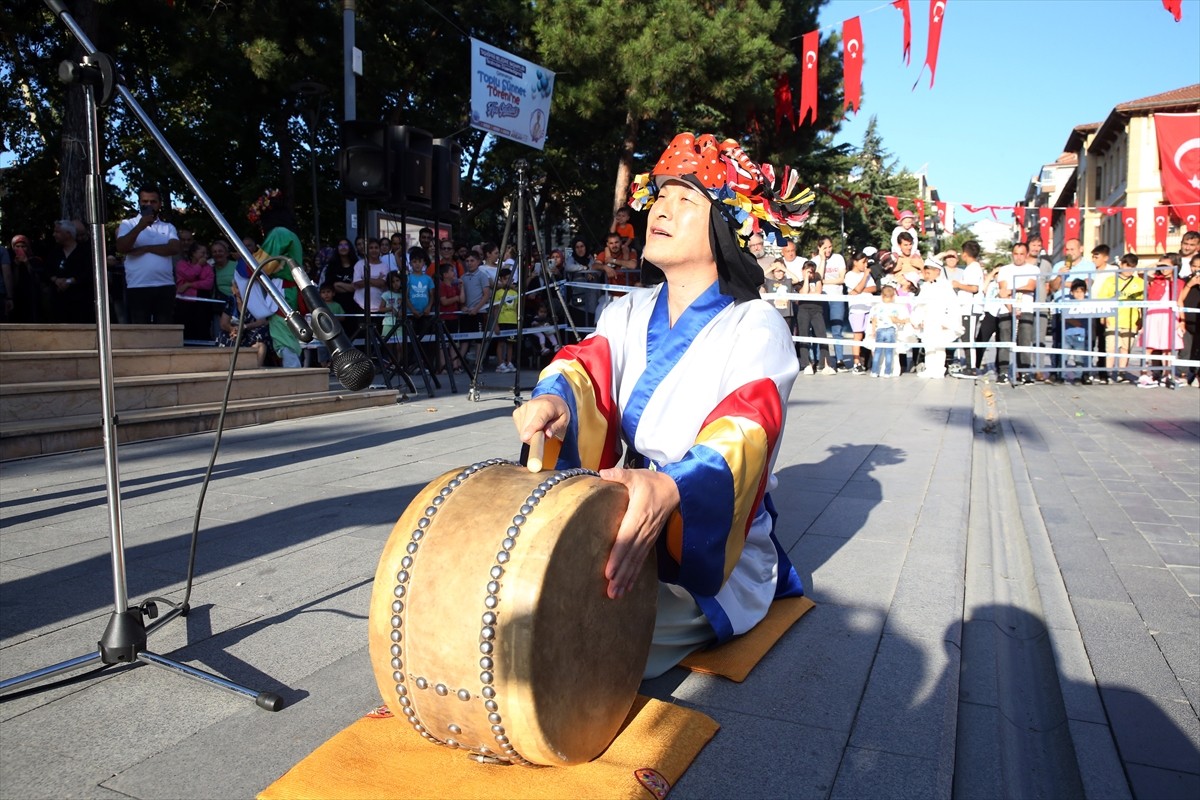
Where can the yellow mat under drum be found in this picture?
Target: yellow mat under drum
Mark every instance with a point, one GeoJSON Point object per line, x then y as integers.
{"type": "Point", "coordinates": [380, 756]}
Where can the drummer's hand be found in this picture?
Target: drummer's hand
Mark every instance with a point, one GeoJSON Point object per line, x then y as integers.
{"type": "Point", "coordinates": [547, 412]}
{"type": "Point", "coordinates": [653, 497]}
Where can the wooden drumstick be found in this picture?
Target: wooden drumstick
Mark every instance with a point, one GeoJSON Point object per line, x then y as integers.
{"type": "Point", "coordinates": [542, 451]}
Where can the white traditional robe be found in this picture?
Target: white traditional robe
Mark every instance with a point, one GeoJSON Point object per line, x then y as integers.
{"type": "Point", "coordinates": [703, 401]}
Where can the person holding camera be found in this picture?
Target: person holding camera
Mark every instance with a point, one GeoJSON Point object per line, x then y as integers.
{"type": "Point", "coordinates": [810, 315]}
{"type": "Point", "coordinates": [149, 246]}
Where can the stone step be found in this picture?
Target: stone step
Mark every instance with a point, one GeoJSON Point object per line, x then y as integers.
{"type": "Point", "coordinates": [15, 338]}
{"type": "Point", "coordinates": [26, 439]}
{"type": "Point", "coordinates": [73, 365]}
{"type": "Point", "coordinates": [22, 402]}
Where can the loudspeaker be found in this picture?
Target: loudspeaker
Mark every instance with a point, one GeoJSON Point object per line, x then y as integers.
{"type": "Point", "coordinates": [412, 166]}
{"type": "Point", "coordinates": [365, 160]}
{"type": "Point", "coordinates": [447, 173]}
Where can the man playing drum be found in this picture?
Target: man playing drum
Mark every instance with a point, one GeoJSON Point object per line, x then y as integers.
{"type": "Point", "coordinates": [693, 377]}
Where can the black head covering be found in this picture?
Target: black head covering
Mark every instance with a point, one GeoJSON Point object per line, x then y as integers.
{"type": "Point", "coordinates": [738, 273]}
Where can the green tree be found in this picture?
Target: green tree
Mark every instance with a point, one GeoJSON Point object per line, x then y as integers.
{"type": "Point", "coordinates": [876, 173]}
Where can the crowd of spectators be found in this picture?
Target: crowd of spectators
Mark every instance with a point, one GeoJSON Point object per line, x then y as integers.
{"type": "Point", "coordinates": [937, 315]}
{"type": "Point", "coordinates": [870, 311]}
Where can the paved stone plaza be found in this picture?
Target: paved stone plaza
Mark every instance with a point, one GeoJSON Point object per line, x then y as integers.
{"type": "Point", "coordinates": [1006, 584]}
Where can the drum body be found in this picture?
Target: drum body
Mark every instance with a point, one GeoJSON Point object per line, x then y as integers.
{"type": "Point", "coordinates": [490, 626]}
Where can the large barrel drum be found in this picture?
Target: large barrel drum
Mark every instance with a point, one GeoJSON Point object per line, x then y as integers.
{"type": "Point", "coordinates": [490, 626]}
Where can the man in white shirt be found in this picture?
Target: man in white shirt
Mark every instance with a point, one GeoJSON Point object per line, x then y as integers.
{"type": "Point", "coordinates": [966, 281]}
{"type": "Point", "coordinates": [149, 245]}
{"type": "Point", "coordinates": [792, 262]}
{"type": "Point", "coordinates": [1018, 282]}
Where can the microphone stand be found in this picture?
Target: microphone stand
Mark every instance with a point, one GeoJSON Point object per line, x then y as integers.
{"type": "Point", "coordinates": [125, 636]}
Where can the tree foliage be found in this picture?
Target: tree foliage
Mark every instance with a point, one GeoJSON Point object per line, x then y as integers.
{"type": "Point", "coordinates": [241, 90]}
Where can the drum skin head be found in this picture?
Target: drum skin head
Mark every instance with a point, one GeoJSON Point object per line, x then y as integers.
{"type": "Point", "coordinates": [490, 626]}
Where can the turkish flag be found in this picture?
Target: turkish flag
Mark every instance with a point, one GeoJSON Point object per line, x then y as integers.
{"type": "Point", "coordinates": [808, 76]}
{"type": "Point", "coordinates": [894, 205]}
{"type": "Point", "coordinates": [1175, 7]}
{"type": "Point", "coordinates": [1179, 156]}
{"type": "Point", "coordinates": [1129, 221]}
{"type": "Point", "coordinates": [920, 204]}
{"type": "Point", "coordinates": [1160, 227]}
{"type": "Point", "coordinates": [783, 102]}
{"type": "Point", "coordinates": [1070, 223]}
{"type": "Point", "coordinates": [852, 61]}
{"type": "Point", "coordinates": [937, 15]}
{"type": "Point", "coordinates": [1045, 225]}
{"type": "Point", "coordinates": [1019, 216]}
{"type": "Point", "coordinates": [907, 12]}
{"type": "Point", "coordinates": [941, 215]}
{"type": "Point", "coordinates": [1189, 215]}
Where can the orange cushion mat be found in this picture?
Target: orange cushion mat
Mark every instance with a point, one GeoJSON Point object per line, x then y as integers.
{"type": "Point", "coordinates": [382, 757]}
{"type": "Point", "coordinates": [737, 657]}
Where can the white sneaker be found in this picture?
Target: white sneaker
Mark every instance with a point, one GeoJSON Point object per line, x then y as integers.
{"type": "Point", "coordinates": [1146, 382]}
{"type": "Point", "coordinates": [827, 370]}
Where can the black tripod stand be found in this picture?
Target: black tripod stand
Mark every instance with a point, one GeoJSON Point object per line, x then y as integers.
{"type": "Point", "coordinates": [125, 636]}
{"type": "Point", "coordinates": [518, 205]}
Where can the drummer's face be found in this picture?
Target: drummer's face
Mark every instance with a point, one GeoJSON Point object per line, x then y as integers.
{"type": "Point", "coordinates": [677, 228]}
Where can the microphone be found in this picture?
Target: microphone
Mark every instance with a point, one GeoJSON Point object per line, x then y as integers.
{"type": "Point", "coordinates": [352, 367]}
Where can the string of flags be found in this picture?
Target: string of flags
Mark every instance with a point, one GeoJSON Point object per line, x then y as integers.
{"type": "Point", "coordinates": [1186, 214]}
{"type": "Point", "coordinates": [853, 48]}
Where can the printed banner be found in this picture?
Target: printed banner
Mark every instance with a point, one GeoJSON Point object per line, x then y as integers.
{"type": "Point", "coordinates": [510, 96]}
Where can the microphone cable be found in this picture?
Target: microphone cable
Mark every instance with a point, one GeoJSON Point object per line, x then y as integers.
{"type": "Point", "coordinates": [147, 605]}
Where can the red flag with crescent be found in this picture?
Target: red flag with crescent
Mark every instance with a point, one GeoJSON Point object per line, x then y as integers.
{"type": "Point", "coordinates": [784, 109]}
{"type": "Point", "coordinates": [1108, 211]}
{"type": "Point", "coordinates": [852, 61]}
{"type": "Point", "coordinates": [810, 46]}
{"type": "Point", "coordinates": [1129, 222]}
{"type": "Point", "coordinates": [1045, 225]}
{"type": "Point", "coordinates": [1019, 216]}
{"type": "Point", "coordinates": [1179, 157]}
{"type": "Point", "coordinates": [894, 205]}
{"type": "Point", "coordinates": [1070, 223]}
{"type": "Point", "coordinates": [941, 215]}
{"type": "Point", "coordinates": [920, 204]}
{"type": "Point", "coordinates": [907, 12]}
{"type": "Point", "coordinates": [1189, 215]}
{"type": "Point", "coordinates": [937, 15]}
{"type": "Point", "coordinates": [1161, 214]}
{"type": "Point", "coordinates": [1175, 7]}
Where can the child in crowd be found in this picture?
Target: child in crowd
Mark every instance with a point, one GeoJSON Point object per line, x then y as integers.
{"type": "Point", "coordinates": [328, 293]}
{"type": "Point", "coordinates": [1161, 334]}
{"type": "Point", "coordinates": [252, 332]}
{"type": "Point", "coordinates": [1075, 334]}
{"type": "Point", "coordinates": [392, 299]}
{"type": "Point", "coordinates": [622, 226]}
{"type": "Point", "coordinates": [547, 340]}
{"type": "Point", "coordinates": [506, 321]}
{"type": "Point", "coordinates": [883, 320]}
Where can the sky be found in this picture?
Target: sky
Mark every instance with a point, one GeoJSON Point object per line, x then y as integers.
{"type": "Point", "coordinates": [1013, 78]}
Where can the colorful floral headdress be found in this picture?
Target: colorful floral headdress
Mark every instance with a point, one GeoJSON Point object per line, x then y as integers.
{"type": "Point", "coordinates": [261, 205]}
{"type": "Point", "coordinates": [745, 192]}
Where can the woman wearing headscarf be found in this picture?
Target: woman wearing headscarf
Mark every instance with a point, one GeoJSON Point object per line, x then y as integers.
{"type": "Point", "coordinates": [692, 377]}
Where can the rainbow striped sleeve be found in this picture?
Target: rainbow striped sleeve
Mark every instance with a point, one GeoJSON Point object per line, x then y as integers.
{"type": "Point", "coordinates": [581, 374]}
{"type": "Point", "coordinates": [721, 482]}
